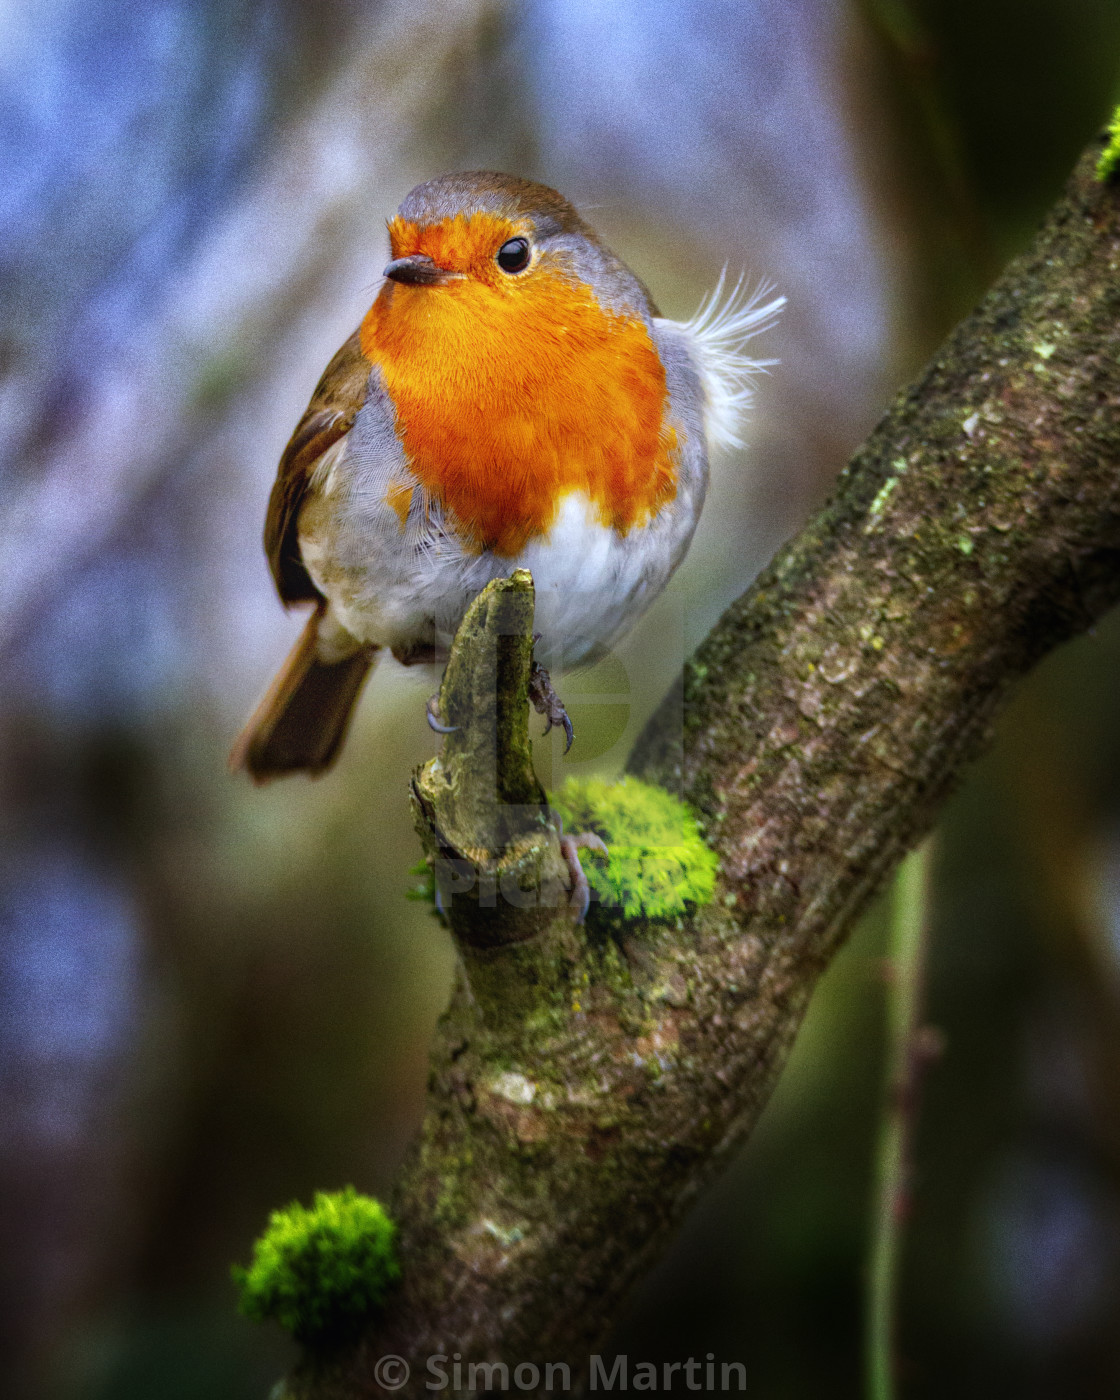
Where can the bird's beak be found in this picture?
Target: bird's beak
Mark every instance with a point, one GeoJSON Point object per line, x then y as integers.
{"type": "Point", "coordinates": [418, 270]}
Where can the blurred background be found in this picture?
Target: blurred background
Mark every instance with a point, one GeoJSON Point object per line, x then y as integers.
{"type": "Point", "coordinates": [215, 999]}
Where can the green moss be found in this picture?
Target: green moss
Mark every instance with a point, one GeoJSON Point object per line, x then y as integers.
{"type": "Point", "coordinates": [424, 891]}
{"type": "Point", "coordinates": [657, 862]}
{"type": "Point", "coordinates": [1109, 162]}
{"type": "Point", "coordinates": [321, 1272]}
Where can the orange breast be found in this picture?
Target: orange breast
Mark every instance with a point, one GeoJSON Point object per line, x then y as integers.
{"type": "Point", "coordinates": [511, 396]}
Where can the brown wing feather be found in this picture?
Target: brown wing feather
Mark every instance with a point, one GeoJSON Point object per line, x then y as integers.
{"type": "Point", "coordinates": [330, 415]}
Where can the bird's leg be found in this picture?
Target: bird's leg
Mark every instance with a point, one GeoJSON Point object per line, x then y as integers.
{"type": "Point", "coordinates": [431, 709]}
{"type": "Point", "coordinates": [422, 653]}
{"type": "Point", "coordinates": [546, 702]}
{"type": "Point", "coordinates": [579, 898]}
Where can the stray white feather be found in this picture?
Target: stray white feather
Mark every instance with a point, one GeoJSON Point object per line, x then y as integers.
{"type": "Point", "coordinates": [719, 330]}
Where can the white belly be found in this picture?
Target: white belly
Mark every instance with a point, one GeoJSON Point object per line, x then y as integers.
{"type": "Point", "coordinates": [406, 588]}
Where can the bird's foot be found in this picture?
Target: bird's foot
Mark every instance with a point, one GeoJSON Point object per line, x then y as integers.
{"type": "Point", "coordinates": [579, 898]}
{"type": "Point", "coordinates": [431, 709]}
{"type": "Point", "coordinates": [546, 702]}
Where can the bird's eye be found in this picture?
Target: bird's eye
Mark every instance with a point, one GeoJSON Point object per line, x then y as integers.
{"type": "Point", "coordinates": [514, 255]}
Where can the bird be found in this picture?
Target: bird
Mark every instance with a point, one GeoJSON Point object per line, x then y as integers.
{"type": "Point", "coordinates": [512, 399]}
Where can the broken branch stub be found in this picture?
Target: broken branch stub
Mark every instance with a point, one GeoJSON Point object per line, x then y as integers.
{"type": "Point", "coordinates": [479, 807]}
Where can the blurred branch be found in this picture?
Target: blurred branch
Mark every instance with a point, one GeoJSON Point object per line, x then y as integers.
{"type": "Point", "coordinates": [223, 326]}
{"type": "Point", "coordinates": [585, 1086]}
{"type": "Point", "coordinates": [909, 1049]}
{"type": "Point", "coordinates": [914, 52]}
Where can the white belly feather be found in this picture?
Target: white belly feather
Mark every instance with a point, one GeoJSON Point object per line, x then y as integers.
{"type": "Point", "coordinates": [391, 588]}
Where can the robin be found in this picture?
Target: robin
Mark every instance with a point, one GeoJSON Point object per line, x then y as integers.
{"type": "Point", "coordinates": [512, 399]}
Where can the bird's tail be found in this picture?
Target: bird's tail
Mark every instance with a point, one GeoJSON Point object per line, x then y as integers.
{"type": "Point", "coordinates": [302, 720]}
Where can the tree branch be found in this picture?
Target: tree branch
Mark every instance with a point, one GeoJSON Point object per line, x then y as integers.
{"type": "Point", "coordinates": [583, 1089]}
{"type": "Point", "coordinates": [479, 807]}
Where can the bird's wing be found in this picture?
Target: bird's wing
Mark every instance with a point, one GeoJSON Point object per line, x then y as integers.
{"type": "Point", "coordinates": [334, 405]}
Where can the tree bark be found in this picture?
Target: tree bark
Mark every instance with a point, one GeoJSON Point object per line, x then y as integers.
{"type": "Point", "coordinates": [585, 1086]}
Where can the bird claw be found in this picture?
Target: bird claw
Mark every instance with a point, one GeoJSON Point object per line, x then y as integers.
{"type": "Point", "coordinates": [580, 897]}
{"type": "Point", "coordinates": [546, 702]}
{"type": "Point", "coordinates": [431, 709]}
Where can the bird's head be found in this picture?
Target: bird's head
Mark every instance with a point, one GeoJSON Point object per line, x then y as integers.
{"type": "Point", "coordinates": [486, 237]}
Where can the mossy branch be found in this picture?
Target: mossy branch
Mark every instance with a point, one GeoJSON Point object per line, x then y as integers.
{"type": "Point", "coordinates": [585, 1085]}
{"type": "Point", "coordinates": [479, 807]}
